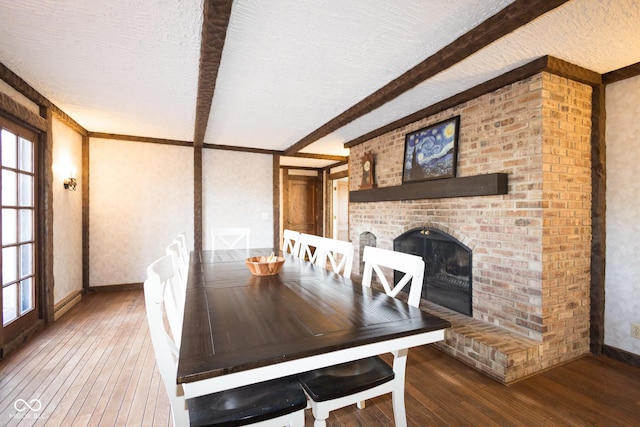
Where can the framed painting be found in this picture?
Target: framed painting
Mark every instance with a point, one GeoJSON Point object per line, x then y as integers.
{"type": "Point", "coordinates": [431, 152]}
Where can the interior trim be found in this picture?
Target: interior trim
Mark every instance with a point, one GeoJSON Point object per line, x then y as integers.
{"type": "Point", "coordinates": [621, 355]}
{"type": "Point", "coordinates": [509, 19]}
{"type": "Point", "coordinates": [46, 250]}
{"type": "Point", "coordinates": [545, 63]}
{"type": "Point", "coordinates": [119, 137]}
{"type": "Point", "coordinates": [86, 211]}
{"type": "Point", "coordinates": [276, 201]}
{"type": "Point", "coordinates": [116, 288]}
{"type": "Point", "coordinates": [14, 110]}
{"type": "Point", "coordinates": [67, 304]}
{"type": "Point", "coordinates": [597, 288]}
{"type": "Point", "coordinates": [217, 14]}
{"type": "Point", "coordinates": [9, 347]}
{"type": "Point", "coordinates": [621, 74]}
{"type": "Point", "coordinates": [33, 95]}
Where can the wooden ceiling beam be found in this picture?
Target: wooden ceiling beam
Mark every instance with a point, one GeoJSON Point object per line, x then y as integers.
{"type": "Point", "coordinates": [622, 74]}
{"type": "Point", "coordinates": [37, 98]}
{"type": "Point", "coordinates": [545, 63]}
{"type": "Point", "coordinates": [321, 157]}
{"type": "Point", "coordinates": [214, 31]}
{"type": "Point", "coordinates": [504, 22]}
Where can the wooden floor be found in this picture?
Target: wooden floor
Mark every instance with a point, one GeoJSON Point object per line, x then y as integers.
{"type": "Point", "coordinates": [95, 367]}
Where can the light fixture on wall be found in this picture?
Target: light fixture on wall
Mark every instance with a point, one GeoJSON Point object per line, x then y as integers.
{"type": "Point", "coordinates": [70, 184]}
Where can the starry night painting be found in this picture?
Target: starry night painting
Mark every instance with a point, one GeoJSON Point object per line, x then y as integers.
{"type": "Point", "coordinates": [431, 152]}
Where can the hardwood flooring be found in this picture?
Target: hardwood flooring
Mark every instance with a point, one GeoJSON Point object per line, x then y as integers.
{"type": "Point", "coordinates": [95, 367]}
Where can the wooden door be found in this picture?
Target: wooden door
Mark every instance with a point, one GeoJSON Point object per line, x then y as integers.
{"type": "Point", "coordinates": [20, 280]}
{"type": "Point", "coordinates": [301, 204]}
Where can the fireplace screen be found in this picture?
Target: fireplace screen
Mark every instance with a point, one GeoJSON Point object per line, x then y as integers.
{"type": "Point", "coordinates": [447, 273]}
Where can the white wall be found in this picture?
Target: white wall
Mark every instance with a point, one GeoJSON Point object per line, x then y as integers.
{"type": "Point", "coordinates": [67, 212]}
{"type": "Point", "coordinates": [141, 197]}
{"type": "Point", "coordinates": [622, 283]}
{"type": "Point", "coordinates": [237, 191]}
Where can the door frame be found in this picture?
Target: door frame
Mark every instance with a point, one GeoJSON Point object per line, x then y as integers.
{"type": "Point", "coordinates": [329, 223]}
{"type": "Point", "coordinates": [319, 220]}
{"type": "Point", "coordinates": [43, 311]}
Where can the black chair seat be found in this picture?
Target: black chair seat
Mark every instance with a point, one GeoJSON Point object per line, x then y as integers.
{"type": "Point", "coordinates": [345, 379]}
{"type": "Point", "coordinates": [249, 404]}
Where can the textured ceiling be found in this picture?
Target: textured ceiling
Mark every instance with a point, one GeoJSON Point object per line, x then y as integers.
{"type": "Point", "coordinates": [118, 66]}
{"type": "Point", "coordinates": [294, 65]}
{"type": "Point", "coordinates": [288, 66]}
{"type": "Point", "coordinates": [601, 36]}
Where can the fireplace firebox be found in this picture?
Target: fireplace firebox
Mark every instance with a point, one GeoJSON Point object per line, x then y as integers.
{"type": "Point", "coordinates": [447, 273]}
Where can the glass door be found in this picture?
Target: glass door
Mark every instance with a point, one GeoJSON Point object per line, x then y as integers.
{"type": "Point", "coordinates": [20, 305]}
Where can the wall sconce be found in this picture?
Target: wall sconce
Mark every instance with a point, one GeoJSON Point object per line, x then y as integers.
{"type": "Point", "coordinates": [70, 184]}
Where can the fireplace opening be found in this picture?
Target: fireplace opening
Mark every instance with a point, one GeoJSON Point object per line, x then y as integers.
{"type": "Point", "coordinates": [447, 273]}
{"type": "Point", "coordinates": [366, 239]}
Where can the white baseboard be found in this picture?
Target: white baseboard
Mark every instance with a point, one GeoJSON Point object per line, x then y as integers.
{"type": "Point", "coordinates": [66, 304]}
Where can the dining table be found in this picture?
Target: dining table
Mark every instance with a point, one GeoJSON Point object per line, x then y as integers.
{"type": "Point", "coordinates": [240, 329]}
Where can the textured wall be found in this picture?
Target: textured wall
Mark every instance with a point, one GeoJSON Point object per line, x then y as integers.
{"type": "Point", "coordinates": [67, 206]}
{"type": "Point", "coordinates": [530, 247]}
{"type": "Point", "coordinates": [622, 283]}
{"type": "Point", "coordinates": [67, 212]}
{"type": "Point", "coordinates": [141, 197]}
{"type": "Point", "coordinates": [238, 192]}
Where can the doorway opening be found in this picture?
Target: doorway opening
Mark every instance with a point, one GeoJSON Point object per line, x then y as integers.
{"type": "Point", "coordinates": [340, 209]}
{"type": "Point", "coordinates": [20, 296]}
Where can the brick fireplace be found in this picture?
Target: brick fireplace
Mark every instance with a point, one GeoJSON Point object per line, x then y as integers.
{"type": "Point", "coordinates": [531, 247]}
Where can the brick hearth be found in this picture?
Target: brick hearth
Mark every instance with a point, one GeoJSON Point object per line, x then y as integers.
{"type": "Point", "coordinates": [531, 247]}
{"type": "Point", "coordinates": [499, 353]}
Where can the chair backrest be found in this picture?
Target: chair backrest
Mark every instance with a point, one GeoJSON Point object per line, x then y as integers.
{"type": "Point", "coordinates": [162, 271]}
{"type": "Point", "coordinates": [180, 267]}
{"type": "Point", "coordinates": [230, 238]}
{"type": "Point", "coordinates": [291, 242]}
{"type": "Point", "coordinates": [312, 248]}
{"type": "Point", "coordinates": [339, 254]}
{"type": "Point", "coordinates": [165, 348]}
{"type": "Point", "coordinates": [184, 250]}
{"type": "Point", "coordinates": [411, 265]}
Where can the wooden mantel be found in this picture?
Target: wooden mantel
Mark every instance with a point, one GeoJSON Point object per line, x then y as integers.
{"type": "Point", "coordinates": [479, 185]}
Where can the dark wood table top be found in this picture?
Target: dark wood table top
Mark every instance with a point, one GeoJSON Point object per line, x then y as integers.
{"type": "Point", "coordinates": [236, 322]}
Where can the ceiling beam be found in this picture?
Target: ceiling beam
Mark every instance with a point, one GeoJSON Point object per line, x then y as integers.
{"type": "Point", "coordinates": [120, 137]}
{"type": "Point", "coordinates": [504, 22]}
{"type": "Point", "coordinates": [622, 74]}
{"type": "Point", "coordinates": [214, 31]}
{"type": "Point", "coordinates": [321, 156]}
{"type": "Point", "coordinates": [37, 98]}
{"type": "Point", "coordinates": [545, 63]}
{"type": "Point", "coordinates": [243, 149]}
{"type": "Point", "coordinates": [276, 152]}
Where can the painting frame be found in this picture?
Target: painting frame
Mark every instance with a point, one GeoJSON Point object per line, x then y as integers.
{"type": "Point", "coordinates": [431, 152]}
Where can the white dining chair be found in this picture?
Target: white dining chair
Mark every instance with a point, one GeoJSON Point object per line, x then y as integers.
{"type": "Point", "coordinates": [311, 248]}
{"type": "Point", "coordinates": [231, 238]}
{"type": "Point", "coordinates": [163, 271]}
{"type": "Point", "coordinates": [184, 249]}
{"type": "Point", "coordinates": [338, 256]}
{"type": "Point", "coordinates": [341, 385]}
{"type": "Point", "coordinates": [290, 242]}
{"type": "Point", "coordinates": [411, 265]}
{"type": "Point", "coordinates": [181, 268]}
{"type": "Point", "coordinates": [275, 403]}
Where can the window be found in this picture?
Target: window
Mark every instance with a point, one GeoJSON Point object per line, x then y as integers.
{"type": "Point", "coordinates": [17, 212]}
